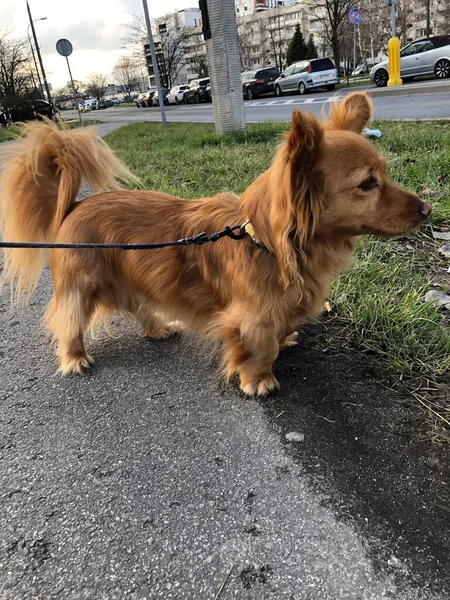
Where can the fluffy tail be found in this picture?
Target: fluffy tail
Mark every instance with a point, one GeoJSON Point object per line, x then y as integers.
{"type": "Point", "coordinates": [38, 185]}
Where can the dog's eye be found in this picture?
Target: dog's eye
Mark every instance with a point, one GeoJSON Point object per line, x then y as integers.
{"type": "Point", "coordinates": [368, 184]}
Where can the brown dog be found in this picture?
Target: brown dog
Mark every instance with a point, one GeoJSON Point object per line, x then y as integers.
{"type": "Point", "coordinates": [326, 186]}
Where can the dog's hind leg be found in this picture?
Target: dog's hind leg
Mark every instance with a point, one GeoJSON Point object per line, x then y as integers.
{"type": "Point", "coordinates": [68, 317]}
{"type": "Point", "coordinates": [153, 325]}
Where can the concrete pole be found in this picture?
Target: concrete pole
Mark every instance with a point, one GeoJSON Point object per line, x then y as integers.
{"type": "Point", "coordinates": [155, 63]}
{"type": "Point", "coordinates": [224, 64]}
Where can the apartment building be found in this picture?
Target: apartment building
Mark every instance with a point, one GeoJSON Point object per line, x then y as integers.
{"type": "Point", "coordinates": [416, 16]}
{"type": "Point", "coordinates": [249, 7]}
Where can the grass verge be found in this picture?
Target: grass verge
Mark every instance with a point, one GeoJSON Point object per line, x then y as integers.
{"type": "Point", "coordinates": [11, 133]}
{"type": "Point", "coordinates": [380, 300]}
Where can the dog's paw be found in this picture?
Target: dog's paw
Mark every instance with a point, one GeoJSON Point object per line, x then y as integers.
{"type": "Point", "coordinates": [164, 331]}
{"type": "Point", "coordinates": [289, 341]}
{"type": "Point", "coordinates": [260, 387]}
{"type": "Point", "coordinates": [75, 364]}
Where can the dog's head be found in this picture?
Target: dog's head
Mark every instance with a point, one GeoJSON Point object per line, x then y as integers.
{"type": "Point", "coordinates": [328, 180]}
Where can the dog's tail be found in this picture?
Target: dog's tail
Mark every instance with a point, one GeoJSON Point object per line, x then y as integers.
{"type": "Point", "coordinates": [39, 184]}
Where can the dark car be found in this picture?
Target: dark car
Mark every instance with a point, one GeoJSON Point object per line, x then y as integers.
{"type": "Point", "coordinates": [199, 90]}
{"type": "Point", "coordinates": [29, 110]}
{"type": "Point", "coordinates": [165, 92]}
{"type": "Point", "coordinates": [260, 82]}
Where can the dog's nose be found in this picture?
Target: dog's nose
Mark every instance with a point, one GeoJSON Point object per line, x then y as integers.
{"type": "Point", "coordinates": [425, 209]}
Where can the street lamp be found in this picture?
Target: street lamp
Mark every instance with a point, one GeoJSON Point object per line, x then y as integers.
{"type": "Point", "coordinates": [32, 52]}
{"type": "Point", "coordinates": [38, 52]}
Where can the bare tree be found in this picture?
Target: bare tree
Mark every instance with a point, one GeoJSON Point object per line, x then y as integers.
{"type": "Point", "coordinates": [126, 72]}
{"type": "Point", "coordinates": [170, 41]}
{"type": "Point", "coordinates": [374, 28]}
{"type": "Point", "coordinates": [96, 85]}
{"type": "Point", "coordinates": [277, 43]}
{"type": "Point", "coordinates": [244, 40]}
{"type": "Point", "coordinates": [333, 15]}
{"type": "Point", "coordinates": [16, 78]}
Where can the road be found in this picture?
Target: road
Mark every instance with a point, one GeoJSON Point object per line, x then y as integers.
{"type": "Point", "coordinates": [423, 106]}
{"type": "Point", "coordinates": [148, 478]}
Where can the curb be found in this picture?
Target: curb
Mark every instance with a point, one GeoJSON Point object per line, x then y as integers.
{"type": "Point", "coordinates": [408, 90]}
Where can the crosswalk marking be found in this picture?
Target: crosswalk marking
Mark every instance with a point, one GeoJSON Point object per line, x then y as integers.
{"type": "Point", "coordinates": [295, 101]}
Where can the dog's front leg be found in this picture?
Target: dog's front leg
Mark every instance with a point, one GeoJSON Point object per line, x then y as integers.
{"type": "Point", "coordinates": [251, 354]}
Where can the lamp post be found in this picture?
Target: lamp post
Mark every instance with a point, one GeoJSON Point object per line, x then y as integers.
{"type": "Point", "coordinates": [32, 51]}
{"type": "Point", "coordinates": [49, 98]}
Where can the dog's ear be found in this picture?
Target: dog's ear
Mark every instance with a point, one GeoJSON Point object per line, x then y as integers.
{"type": "Point", "coordinates": [351, 114]}
{"type": "Point", "coordinates": [296, 198]}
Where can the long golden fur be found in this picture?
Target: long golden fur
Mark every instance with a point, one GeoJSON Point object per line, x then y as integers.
{"type": "Point", "coordinates": [326, 186]}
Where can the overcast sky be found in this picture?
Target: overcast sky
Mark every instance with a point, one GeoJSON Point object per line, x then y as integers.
{"type": "Point", "coordinates": [95, 27]}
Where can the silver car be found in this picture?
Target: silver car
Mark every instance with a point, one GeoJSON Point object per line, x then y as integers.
{"type": "Point", "coordinates": [306, 75]}
{"type": "Point", "coordinates": [424, 57]}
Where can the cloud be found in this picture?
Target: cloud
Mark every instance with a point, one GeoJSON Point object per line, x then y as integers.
{"type": "Point", "coordinates": [96, 31]}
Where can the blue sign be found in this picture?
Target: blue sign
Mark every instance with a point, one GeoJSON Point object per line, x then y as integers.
{"type": "Point", "coordinates": [355, 16]}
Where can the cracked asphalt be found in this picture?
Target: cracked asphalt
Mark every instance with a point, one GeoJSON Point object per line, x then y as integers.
{"type": "Point", "coordinates": [148, 478]}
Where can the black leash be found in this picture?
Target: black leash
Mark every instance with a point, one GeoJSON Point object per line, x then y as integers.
{"type": "Point", "coordinates": [197, 240]}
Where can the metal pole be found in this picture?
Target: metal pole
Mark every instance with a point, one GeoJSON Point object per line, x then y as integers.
{"type": "Point", "coordinates": [40, 60]}
{"type": "Point", "coordinates": [155, 64]}
{"type": "Point", "coordinates": [35, 63]}
{"type": "Point", "coordinates": [354, 52]}
{"type": "Point", "coordinates": [393, 18]}
{"type": "Point", "coordinates": [74, 91]}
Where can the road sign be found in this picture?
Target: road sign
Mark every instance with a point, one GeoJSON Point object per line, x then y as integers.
{"type": "Point", "coordinates": [64, 47]}
{"type": "Point", "coordinates": [355, 16]}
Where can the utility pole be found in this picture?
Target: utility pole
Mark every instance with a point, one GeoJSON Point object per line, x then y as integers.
{"type": "Point", "coordinates": [224, 62]}
{"type": "Point", "coordinates": [428, 2]}
{"type": "Point", "coordinates": [38, 52]}
{"type": "Point", "coordinates": [155, 63]}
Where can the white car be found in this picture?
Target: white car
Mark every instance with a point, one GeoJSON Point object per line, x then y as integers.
{"type": "Point", "coordinates": [176, 94]}
{"type": "Point", "coordinates": [424, 57]}
{"type": "Point", "coordinates": [88, 104]}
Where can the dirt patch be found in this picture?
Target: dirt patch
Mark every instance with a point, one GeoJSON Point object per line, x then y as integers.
{"type": "Point", "coordinates": [368, 450]}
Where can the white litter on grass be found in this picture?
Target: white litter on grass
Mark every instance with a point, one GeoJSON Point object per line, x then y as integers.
{"type": "Point", "coordinates": [371, 132]}
{"type": "Point", "coordinates": [294, 436]}
{"type": "Point", "coordinates": [445, 250]}
{"type": "Point", "coordinates": [438, 298]}
{"type": "Point", "coordinates": [441, 235]}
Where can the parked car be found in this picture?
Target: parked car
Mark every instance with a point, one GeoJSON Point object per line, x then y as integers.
{"type": "Point", "coordinates": [29, 110]}
{"type": "Point", "coordinates": [306, 75]}
{"type": "Point", "coordinates": [362, 68]}
{"type": "Point", "coordinates": [199, 90]}
{"type": "Point", "coordinates": [176, 94]}
{"type": "Point", "coordinates": [155, 99]}
{"type": "Point", "coordinates": [145, 99]}
{"type": "Point", "coordinates": [258, 83]}
{"type": "Point", "coordinates": [427, 56]}
{"type": "Point", "coordinates": [88, 104]}
{"type": "Point", "coordinates": [100, 104]}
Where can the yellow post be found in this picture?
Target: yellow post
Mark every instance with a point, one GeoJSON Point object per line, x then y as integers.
{"type": "Point", "coordinates": [394, 62]}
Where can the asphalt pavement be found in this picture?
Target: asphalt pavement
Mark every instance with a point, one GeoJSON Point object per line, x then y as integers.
{"type": "Point", "coordinates": [149, 478]}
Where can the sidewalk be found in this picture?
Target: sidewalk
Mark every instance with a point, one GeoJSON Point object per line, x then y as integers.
{"type": "Point", "coordinates": [430, 86]}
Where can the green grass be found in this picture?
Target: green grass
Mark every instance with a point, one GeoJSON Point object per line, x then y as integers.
{"type": "Point", "coordinates": [381, 298]}
{"type": "Point", "coordinates": [11, 133]}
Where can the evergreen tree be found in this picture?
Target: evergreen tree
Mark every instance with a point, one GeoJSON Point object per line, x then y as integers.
{"type": "Point", "coordinates": [297, 49]}
{"type": "Point", "coordinates": [311, 49]}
